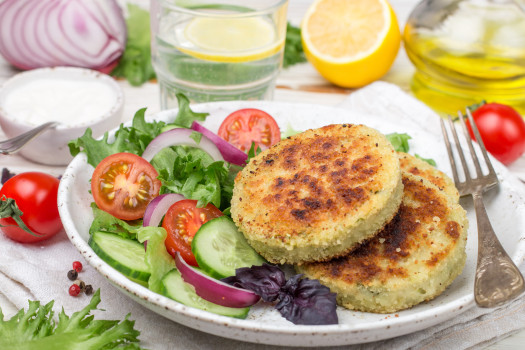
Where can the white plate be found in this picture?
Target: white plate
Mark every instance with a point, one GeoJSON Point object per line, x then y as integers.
{"type": "Point", "coordinates": [264, 325]}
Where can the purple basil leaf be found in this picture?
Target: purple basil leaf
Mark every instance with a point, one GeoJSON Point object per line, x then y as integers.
{"type": "Point", "coordinates": [266, 280]}
{"type": "Point", "coordinates": [308, 302]}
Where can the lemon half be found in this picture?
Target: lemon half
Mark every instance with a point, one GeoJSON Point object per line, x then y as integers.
{"type": "Point", "coordinates": [351, 43]}
{"type": "Point", "coordinates": [232, 40]}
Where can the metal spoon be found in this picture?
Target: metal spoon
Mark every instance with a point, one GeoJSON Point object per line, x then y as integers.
{"type": "Point", "coordinates": [14, 144]}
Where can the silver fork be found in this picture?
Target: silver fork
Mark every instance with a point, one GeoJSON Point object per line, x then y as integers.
{"type": "Point", "coordinates": [497, 279]}
{"type": "Point", "coordinates": [14, 144]}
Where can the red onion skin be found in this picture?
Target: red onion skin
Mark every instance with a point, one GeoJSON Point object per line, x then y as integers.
{"type": "Point", "coordinates": [230, 153]}
{"type": "Point", "coordinates": [162, 202]}
{"type": "Point", "coordinates": [213, 290]}
{"type": "Point", "coordinates": [151, 217]}
{"type": "Point", "coordinates": [109, 68]}
{"type": "Point", "coordinates": [48, 33]}
{"type": "Point", "coordinates": [178, 137]}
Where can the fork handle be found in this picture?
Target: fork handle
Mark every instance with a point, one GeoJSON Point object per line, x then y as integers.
{"type": "Point", "coordinates": [497, 278]}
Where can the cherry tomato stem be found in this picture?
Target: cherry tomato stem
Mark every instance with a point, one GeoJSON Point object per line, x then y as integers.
{"type": "Point", "coordinates": [35, 194]}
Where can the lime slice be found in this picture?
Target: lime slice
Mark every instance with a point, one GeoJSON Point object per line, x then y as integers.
{"type": "Point", "coordinates": [231, 40]}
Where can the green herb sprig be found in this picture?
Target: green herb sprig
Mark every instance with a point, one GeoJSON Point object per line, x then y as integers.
{"type": "Point", "coordinates": [36, 329]}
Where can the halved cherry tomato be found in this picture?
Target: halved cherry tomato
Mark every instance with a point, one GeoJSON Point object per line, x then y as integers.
{"type": "Point", "coordinates": [502, 130]}
{"type": "Point", "coordinates": [248, 125]}
{"type": "Point", "coordinates": [123, 184]}
{"type": "Point", "coordinates": [182, 221]}
{"type": "Point", "coordinates": [35, 194]}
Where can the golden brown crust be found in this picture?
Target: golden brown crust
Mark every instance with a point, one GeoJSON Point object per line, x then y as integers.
{"type": "Point", "coordinates": [420, 168]}
{"type": "Point", "coordinates": [424, 244]}
{"type": "Point", "coordinates": [311, 191]}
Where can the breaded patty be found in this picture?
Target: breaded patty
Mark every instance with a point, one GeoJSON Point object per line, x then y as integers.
{"type": "Point", "coordinates": [317, 194]}
{"type": "Point", "coordinates": [412, 260]}
{"type": "Point", "coordinates": [416, 166]}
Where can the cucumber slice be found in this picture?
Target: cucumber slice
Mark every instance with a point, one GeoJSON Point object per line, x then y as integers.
{"type": "Point", "coordinates": [175, 288]}
{"type": "Point", "coordinates": [124, 255]}
{"type": "Point", "coordinates": [220, 248]}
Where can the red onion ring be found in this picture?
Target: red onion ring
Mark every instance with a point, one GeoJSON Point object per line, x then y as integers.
{"type": "Point", "coordinates": [158, 207]}
{"type": "Point", "coordinates": [213, 290]}
{"type": "Point", "coordinates": [47, 33]}
{"type": "Point", "coordinates": [230, 153]}
{"type": "Point", "coordinates": [180, 137]}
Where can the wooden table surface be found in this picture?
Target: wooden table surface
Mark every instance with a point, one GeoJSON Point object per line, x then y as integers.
{"type": "Point", "coordinates": [300, 83]}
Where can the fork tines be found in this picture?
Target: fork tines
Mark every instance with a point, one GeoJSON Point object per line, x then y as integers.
{"type": "Point", "coordinates": [480, 179]}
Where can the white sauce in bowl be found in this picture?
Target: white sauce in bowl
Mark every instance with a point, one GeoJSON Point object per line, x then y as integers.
{"type": "Point", "coordinates": [67, 101]}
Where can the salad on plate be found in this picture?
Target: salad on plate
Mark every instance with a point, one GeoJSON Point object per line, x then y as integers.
{"type": "Point", "coordinates": [161, 197]}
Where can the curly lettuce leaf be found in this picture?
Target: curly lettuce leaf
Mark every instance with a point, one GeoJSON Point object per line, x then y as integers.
{"type": "Point", "coordinates": [133, 139]}
{"type": "Point", "coordinates": [193, 173]}
{"type": "Point", "coordinates": [185, 116]}
{"type": "Point", "coordinates": [35, 329]}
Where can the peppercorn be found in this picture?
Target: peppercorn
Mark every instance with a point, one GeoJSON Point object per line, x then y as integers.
{"type": "Point", "coordinates": [77, 265]}
{"type": "Point", "coordinates": [88, 289]}
{"type": "Point", "coordinates": [81, 284]}
{"type": "Point", "coordinates": [74, 290]}
{"type": "Point", "coordinates": [72, 275]}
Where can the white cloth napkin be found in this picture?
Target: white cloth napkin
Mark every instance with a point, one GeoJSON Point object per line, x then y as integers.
{"type": "Point", "coordinates": [39, 272]}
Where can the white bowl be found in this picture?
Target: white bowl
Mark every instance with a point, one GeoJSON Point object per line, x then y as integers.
{"type": "Point", "coordinates": [264, 324]}
{"type": "Point", "coordinates": [73, 95]}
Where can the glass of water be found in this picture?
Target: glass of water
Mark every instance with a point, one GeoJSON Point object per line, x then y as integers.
{"type": "Point", "coordinates": [217, 50]}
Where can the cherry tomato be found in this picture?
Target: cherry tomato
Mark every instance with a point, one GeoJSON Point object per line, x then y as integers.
{"type": "Point", "coordinates": [123, 184]}
{"type": "Point", "coordinates": [35, 194]}
{"type": "Point", "coordinates": [245, 126]}
{"type": "Point", "coordinates": [502, 130]}
{"type": "Point", "coordinates": [182, 221]}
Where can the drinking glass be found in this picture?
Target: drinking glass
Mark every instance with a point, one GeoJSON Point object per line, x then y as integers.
{"type": "Point", "coordinates": [217, 50]}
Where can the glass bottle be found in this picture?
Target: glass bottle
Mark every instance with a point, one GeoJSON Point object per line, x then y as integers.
{"type": "Point", "coordinates": [466, 51]}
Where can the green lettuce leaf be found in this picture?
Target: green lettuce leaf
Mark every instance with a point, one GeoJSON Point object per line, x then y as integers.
{"type": "Point", "coordinates": [293, 48]}
{"type": "Point", "coordinates": [399, 141]}
{"type": "Point", "coordinates": [428, 160]}
{"type": "Point", "coordinates": [35, 329]}
{"type": "Point", "coordinates": [252, 152]}
{"type": "Point", "coordinates": [290, 131]}
{"type": "Point", "coordinates": [103, 221]}
{"type": "Point", "coordinates": [135, 64]}
{"type": "Point", "coordinates": [132, 139]}
{"type": "Point", "coordinates": [185, 116]}
{"type": "Point", "coordinates": [158, 259]}
{"type": "Point", "coordinates": [193, 173]}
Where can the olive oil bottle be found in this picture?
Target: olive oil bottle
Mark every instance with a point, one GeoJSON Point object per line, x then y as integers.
{"type": "Point", "coordinates": [466, 51]}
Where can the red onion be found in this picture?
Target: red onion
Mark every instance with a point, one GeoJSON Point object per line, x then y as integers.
{"type": "Point", "coordinates": [230, 153]}
{"type": "Point", "coordinates": [158, 207]}
{"type": "Point", "coordinates": [213, 290]}
{"type": "Point", "coordinates": [48, 33]}
{"type": "Point", "coordinates": [180, 137]}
